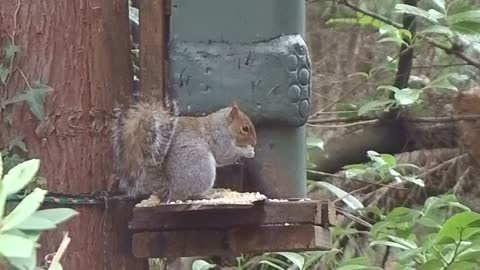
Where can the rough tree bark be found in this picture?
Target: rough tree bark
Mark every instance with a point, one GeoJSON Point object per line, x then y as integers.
{"type": "Point", "coordinates": [81, 49]}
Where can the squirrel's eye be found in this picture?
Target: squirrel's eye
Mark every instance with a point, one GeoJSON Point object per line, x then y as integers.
{"type": "Point", "coordinates": [245, 128]}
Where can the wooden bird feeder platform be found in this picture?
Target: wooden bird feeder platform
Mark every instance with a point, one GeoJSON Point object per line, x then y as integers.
{"type": "Point", "coordinates": [183, 230]}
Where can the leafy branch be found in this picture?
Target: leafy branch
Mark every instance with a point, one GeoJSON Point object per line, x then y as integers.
{"type": "Point", "coordinates": [448, 49]}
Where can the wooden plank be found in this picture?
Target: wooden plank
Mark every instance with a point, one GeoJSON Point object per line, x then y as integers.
{"type": "Point", "coordinates": [153, 48]}
{"type": "Point", "coordinates": [296, 212]}
{"type": "Point", "coordinates": [186, 243]}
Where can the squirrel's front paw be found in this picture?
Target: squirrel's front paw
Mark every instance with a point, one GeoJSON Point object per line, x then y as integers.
{"type": "Point", "coordinates": [249, 152]}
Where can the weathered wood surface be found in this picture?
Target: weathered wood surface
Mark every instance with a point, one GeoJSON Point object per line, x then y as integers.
{"type": "Point", "coordinates": [169, 217]}
{"type": "Point", "coordinates": [186, 243]}
{"type": "Point", "coordinates": [153, 48]}
{"type": "Point", "coordinates": [81, 49]}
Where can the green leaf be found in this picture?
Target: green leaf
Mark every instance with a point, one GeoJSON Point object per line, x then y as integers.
{"type": "Point", "coordinates": [468, 28]}
{"type": "Point", "coordinates": [35, 97]}
{"type": "Point", "coordinates": [471, 254]}
{"type": "Point", "coordinates": [429, 222]}
{"type": "Point", "coordinates": [1, 168]}
{"type": "Point", "coordinates": [315, 142]}
{"type": "Point", "coordinates": [358, 267]}
{"type": "Point", "coordinates": [407, 96]}
{"type": "Point", "coordinates": [440, 5]}
{"type": "Point", "coordinates": [389, 88]}
{"type": "Point", "coordinates": [202, 265]}
{"type": "Point", "coordinates": [467, 16]}
{"type": "Point", "coordinates": [396, 40]}
{"type": "Point", "coordinates": [19, 176]}
{"type": "Point", "coordinates": [375, 106]}
{"type": "Point", "coordinates": [389, 159]}
{"type": "Point", "coordinates": [389, 243]}
{"type": "Point", "coordinates": [56, 215]}
{"type": "Point", "coordinates": [416, 181]}
{"type": "Point", "coordinates": [3, 199]}
{"type": "Point", "coordinates": [4, 72]}
{"type": "Point", "coordinates": [23, 210]}
{"type": "Point", "coordinates": [434, 264]}
{"type": "Point", "coordinates": [56, 266]}
{"type": "Point", "coordinates": [463, 266]}
{"type": "Point", "coordinates": [36, 223]}
{"type": "Point", "coordinates": [15, 246]}
{"type": "Point", "coordinates": [10, 51]}
{"type": "Point", "coordinates": [437, 29]}
{"type": "Point", "coordinates": [351, 201]}
{"type": "Point", "coordinates": [404, 242]}
{"type": "Point", "coordinates": [442, 82]}
{"type": "Point", "coordinates": [403, 8]}
{"type": "Point", "coordinates": [24, 263]}
{"type": "Point", "coordinates": [295, 258]}
{"type": "Point", "coordinates": [351, 173]}
{"type": "Point", "coordinates": [361, 19]}
{"type": "Point", "coordinates": [271, 264]}
{"type": "Point", "coordinates": [17, 142]}
{"type": "Point", "coordinates": [452, 228]}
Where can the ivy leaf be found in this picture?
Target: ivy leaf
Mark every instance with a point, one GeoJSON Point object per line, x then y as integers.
{"type": "Point", "coordinates": [10, 51]}
{"type": "Point", "coordinates": [407, 96]}
{"type": "Point", "coordinates": [17, 142]}
{"type": "Point", "coordinates": [4, 72]}
{"type": "Point", "coordinates": [35, 97]}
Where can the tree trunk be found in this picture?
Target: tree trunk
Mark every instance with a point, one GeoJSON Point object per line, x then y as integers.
{"type": "Point", "coordinates": [81, 49]}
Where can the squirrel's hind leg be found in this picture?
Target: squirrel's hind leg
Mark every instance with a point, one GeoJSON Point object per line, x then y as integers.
{"type": "Point", "coordinates": [191, 172]}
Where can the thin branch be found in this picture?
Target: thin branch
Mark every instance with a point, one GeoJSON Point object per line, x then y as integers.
{"type": "Point", "coordinates": [318, 173]}
{"type": "Point", "coordinates": [359, 123]}
{"type": "Point", "coordinates": [441, 165]}
{"type": "Point", "coordinates": [371, 14]}
{"type": "Point", "coordinates": [441, 66]}
{"type": "Point", "coordinates": [451, 50]}
{"type": "Point", "coordinates": [447, 49]}
{"type": "Point", "coordinates": [353, 217]}
{"type": "Point", "coordinates": [61, 250]}
{"type": "Point", "coordinates": [364, 120]}
{"type": "Point", "coordinates": [350, 193]}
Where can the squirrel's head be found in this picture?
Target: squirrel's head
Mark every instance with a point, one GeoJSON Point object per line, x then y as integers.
{"type": "Point", "coordinates": [242, 127]}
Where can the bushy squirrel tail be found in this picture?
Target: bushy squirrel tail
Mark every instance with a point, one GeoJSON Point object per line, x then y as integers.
{"type": "Point", "coordinates": [142, 135]}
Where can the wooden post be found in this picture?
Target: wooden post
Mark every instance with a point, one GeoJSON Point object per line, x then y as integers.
{"type": "Point", "coordinates": [153, 48]}
{"type": "Point", "coordinates": [81, 49]}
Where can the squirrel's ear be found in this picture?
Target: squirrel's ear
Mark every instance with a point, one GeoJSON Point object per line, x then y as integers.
{"type": "Point", "coordinates": [234, 111]}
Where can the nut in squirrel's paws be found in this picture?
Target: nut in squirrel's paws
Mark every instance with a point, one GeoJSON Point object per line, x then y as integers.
{"type": "Point", "coordinates": [249, 152]}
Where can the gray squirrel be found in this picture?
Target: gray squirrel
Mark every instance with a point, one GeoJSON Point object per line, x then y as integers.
{"type": "Point", "coordinates": [175, 157]}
